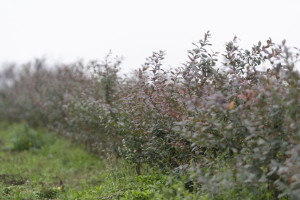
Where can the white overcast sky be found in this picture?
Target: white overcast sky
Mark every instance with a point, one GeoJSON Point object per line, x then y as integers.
{"type": "Point", "coordinates": [66, 30]}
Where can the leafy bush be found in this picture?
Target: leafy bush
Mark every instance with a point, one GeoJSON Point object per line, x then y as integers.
{"type": "Point", "coordinates": [90, 114]}
{"type": "Point", "coordinates": [225, 122]}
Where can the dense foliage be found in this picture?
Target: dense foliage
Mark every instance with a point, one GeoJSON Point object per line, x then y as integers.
{"type": "Point", "coordinates": [226, 120]}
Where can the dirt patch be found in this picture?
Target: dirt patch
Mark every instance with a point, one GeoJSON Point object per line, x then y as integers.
{"type": "Point", "coordinates": [12, 179]}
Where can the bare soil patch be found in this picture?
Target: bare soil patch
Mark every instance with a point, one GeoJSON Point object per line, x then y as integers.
{"type": "Point", "coordinates": [12, 179]}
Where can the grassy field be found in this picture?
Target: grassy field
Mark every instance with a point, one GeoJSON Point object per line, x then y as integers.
{"type": "Point", "coordinates": [38, 165]}
{"type": "Point", "coordinates": [35, 164]}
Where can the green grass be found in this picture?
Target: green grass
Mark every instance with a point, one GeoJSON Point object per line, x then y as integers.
{"type": "Point", "coordinates": [58, 169]}
{"type": "Point", "coordinates": [35, 164]}
{"type": "Point", "coordinates": [53, 171]}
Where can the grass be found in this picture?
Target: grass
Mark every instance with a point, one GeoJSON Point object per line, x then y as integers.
{"type": "Point", "coordinates": [35, 164]}
{"type": "Point", "coordinates": [47, 167]}
{"type": "Point", "coordinates": [54, 171]}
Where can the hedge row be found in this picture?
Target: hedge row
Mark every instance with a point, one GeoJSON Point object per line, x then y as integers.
{"type": "Point", "coordinates": [219, 117]}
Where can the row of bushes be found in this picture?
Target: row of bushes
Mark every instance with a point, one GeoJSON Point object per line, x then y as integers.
{"type": "Point", "coordinates": [219, 117]}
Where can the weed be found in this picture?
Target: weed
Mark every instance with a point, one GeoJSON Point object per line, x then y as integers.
{"type": "Point", "coordinates": [26, 138]}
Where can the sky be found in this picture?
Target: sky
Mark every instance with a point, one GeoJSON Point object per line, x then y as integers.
{"type": "Point", "coordinates": [69, 30]}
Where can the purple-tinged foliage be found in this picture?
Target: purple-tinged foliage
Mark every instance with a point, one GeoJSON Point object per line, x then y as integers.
{"type": "Point", "coordinates": [222, 120]}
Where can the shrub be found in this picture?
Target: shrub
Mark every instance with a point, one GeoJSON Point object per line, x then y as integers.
{"type": "Point", "coordinates": [225, 122]}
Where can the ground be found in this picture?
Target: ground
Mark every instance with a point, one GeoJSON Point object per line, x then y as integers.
{"type": "Point", "coordinates": [46, 166]}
